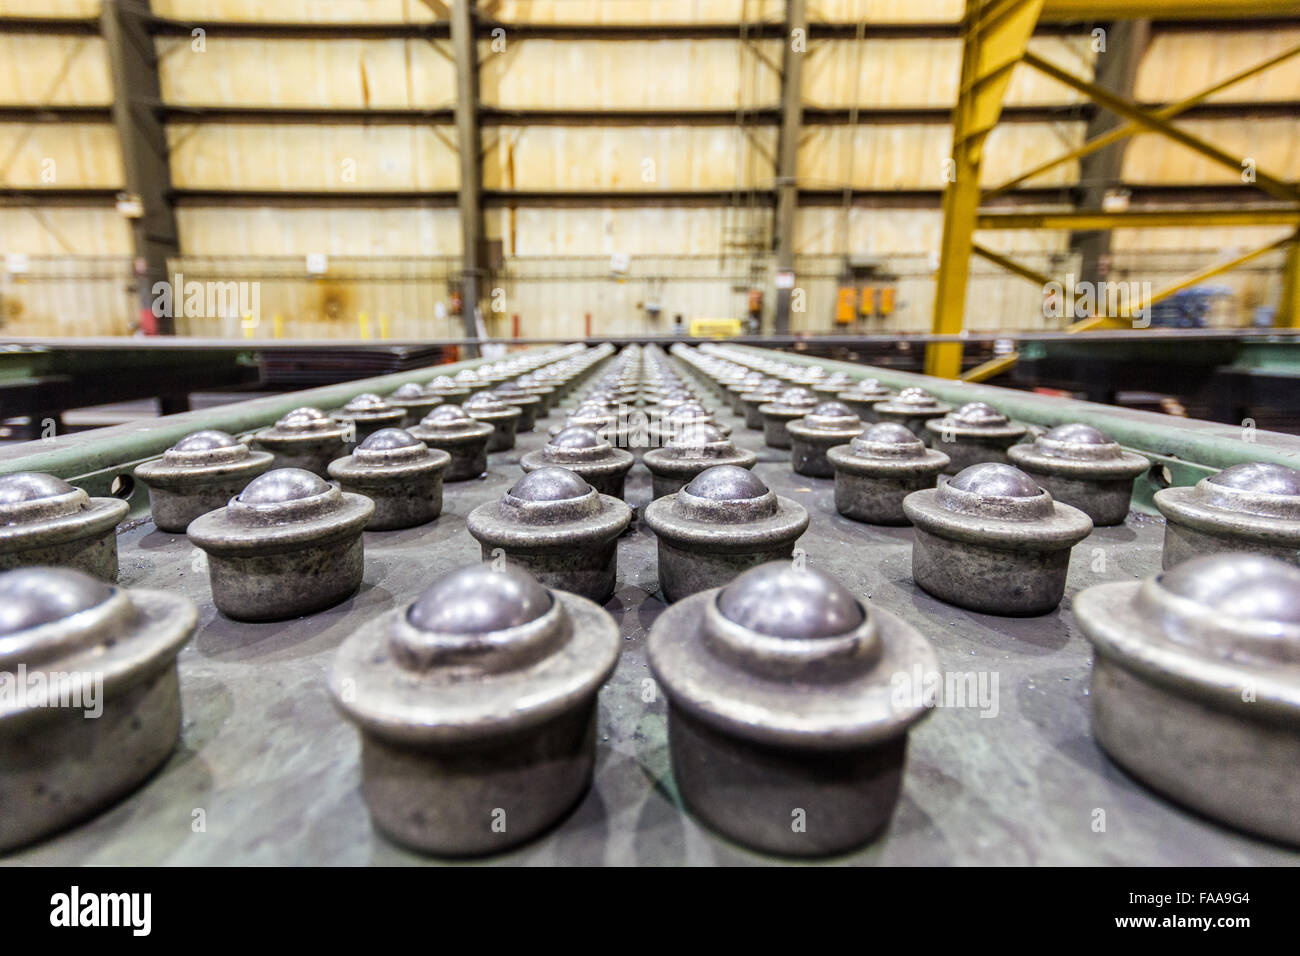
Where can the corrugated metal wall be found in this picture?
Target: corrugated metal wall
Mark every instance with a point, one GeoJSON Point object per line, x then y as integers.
{"type": "Point", "coordinates": [557, 271]}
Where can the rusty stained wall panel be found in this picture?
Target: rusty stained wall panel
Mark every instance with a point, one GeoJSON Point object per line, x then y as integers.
{"type": "Point", "coordinates": [913, 156]}
{"type": "Point", "coordinates": [920, 72]}
{"type": "Point", "coordinates": [627, 158]}
{"type": "Point", "coordinates": [632, 12]}
{"type": "Point", "coordinates": [287, 157]}
{"type": "Point", "coordinates": [50, 8]}
{"type": "Point", "coordinates": [41, 70]}
{"type": "Point", "coordinates": [628, 74]}
{"type": "Point", "coordinates": [297, 11]}
{"type": "Point", "coordinates": [342, 73]}
{"type": "Point", "coordinates": [1180, 64]}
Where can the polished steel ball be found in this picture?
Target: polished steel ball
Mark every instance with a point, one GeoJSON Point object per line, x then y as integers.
{"type": "Point", "coordinates": [388, 439]}
{"type": "Point", "coordinates": [304, 417]}
{"type": "Point", "coordinates": [833, 410]}
{"type": "Point", "coordinates": [1077, 433]}
{"type": "Point", "coordinates": [207, 440]}
{"type": "Point", "coordinates": [445, 414]}
{"type": "Point", "coordinates": [694, 436]}
{"type": "Point", "coordinates": [995, 480]}
{"type": "Point", "coordinates": [780, 601]}
{"type": "Point", "coordinates": [364, 402]}
{"type": "Point", "coordinates": [408, 392]}
{"type": "Point", "coordinates": [484, 402]}
{"type": "Point", "coordinates": [726, 483]}
{"type": "Point", "coordinates": [478, 600]}
{"type": "Point", "coordinates": [890, 433]}
{"type": "Point", "coordinates": [589, 411]}
{"type": "Point", "coordinates": [24, 486]}
{"type": "Point", "coordinates": [688, 410]}
{"type": "Point", "coordinates": [797, 396]}
{"type": "Point", "coordinates": [443, 381]}
{"type": "Point", "coordinates": [867, 388]}
{"type": "Point", "coordinates": [1240, 585]}
{"type": "Point", "coordinates": [1260, 476]}
{"type": "Point", "coordinates": [30, 597]}
{"type": "Point", "coordinates": [915, 396]}
{"type": "Point", "coordinates": [283, 484]}
{"type": "Point", "coordinates": [549, 484]}
{"type": "Point", "coordinates": [978, 413]}
{"type": "Point", "coordinates": [576, 437]}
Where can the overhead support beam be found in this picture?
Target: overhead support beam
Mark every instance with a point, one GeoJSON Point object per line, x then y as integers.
{"type": "Point", "coordinates": [1149, 202]}
{"type": "Point", "coordinates": [1141, 218]}
{"type": "Point", "coordinates": [1094, 10]}
{"type": "Point", "coordinates": [995, 36]}
{"type": "Point", "coordinates": [787, 168]}
{"type": "Point", "coordinates": [285, 30]}
{"type": "Point", "coordinates": [146, 170]}
{"type": "Point", "coordinates": [1066, 19]}
{"type": "Point", "coordinates": [471, 183]}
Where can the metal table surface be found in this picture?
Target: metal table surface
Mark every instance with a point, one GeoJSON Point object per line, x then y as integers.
{"type": "Point", "coordinates": [267, 771]}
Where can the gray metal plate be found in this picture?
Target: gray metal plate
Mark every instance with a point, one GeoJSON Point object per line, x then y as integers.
{"type": "Point", "coordinates": [267, 771]}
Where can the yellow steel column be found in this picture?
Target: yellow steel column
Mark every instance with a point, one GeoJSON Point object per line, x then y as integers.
{"type": "Point", "coordinates": [995, 36]}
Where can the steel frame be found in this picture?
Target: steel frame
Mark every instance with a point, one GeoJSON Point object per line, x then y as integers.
{"type": "Point", "coordinates": [995, 38]}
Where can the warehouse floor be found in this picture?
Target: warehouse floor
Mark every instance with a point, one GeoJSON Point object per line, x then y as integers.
{"type": "Point", "coordinates": [267, 771]}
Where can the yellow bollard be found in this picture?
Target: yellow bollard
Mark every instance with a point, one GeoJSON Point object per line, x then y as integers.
{"type": "Point", "coordinates": [383, 325]}
{"type": "Point", "coordinates": [363, 323]}
{"type": "Point", "coordinates": [277, 325]}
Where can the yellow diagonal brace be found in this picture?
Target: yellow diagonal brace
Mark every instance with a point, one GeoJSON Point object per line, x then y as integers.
{"type": "Point", "coordinates": [1188, 281]}
{"type": "Point", "coordinates": [1092, 11]}
{"type": "Point", "coordinates": [1149, 119]}
{"type": "Point", "coordinates": [995, 37]}
{"type": "Point", "coordinates": [1085, 219]}
{"type": "Point", "coordinates": [992, 368]}
{"type": "Point", "coordinates": [1011, 265]}
{"type": "Point", "coordinates": [1128, 129]}
{"type": "Point", "coordinates": [996, 366]}
{"type": "Point", "coordinates": [1098, 322]}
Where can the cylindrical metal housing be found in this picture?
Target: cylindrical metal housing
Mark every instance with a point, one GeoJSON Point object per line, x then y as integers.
{"type": "Point", "coordinates": [399, 473]}
{"type": "Point", "coordinates": [476, 705]}
{"type": "Point", "coordinates": [786, 726]}
{"type": "Point", "coordinates": [557, 527]}
{"type": "Point", "coordinates": [201, 472]}
{"type": "Point", "coordinates": [289, 544]}
{"type": "Point", "coordinates": [877, 470]}
{"type": "Point", "coordinates": [46, 521]}
{"type": "Point", "coordinates": [723, 523]}
{"type": "Point", "coordinates": [991, 540]}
